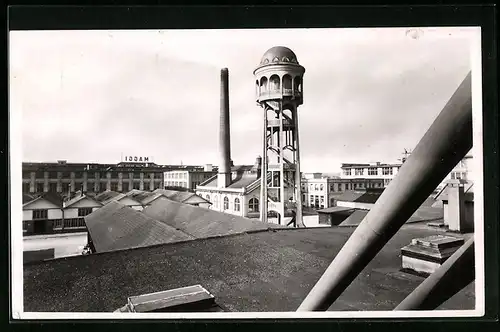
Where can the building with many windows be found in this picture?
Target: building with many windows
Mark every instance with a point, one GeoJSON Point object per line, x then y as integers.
{"type": "Point", "coordinates": [188, 178]}
{"type": "Point", "coordinates": [66, 178]}
{"type": "Point", "coordinates": [319, 191]}
{"type": "Point", "coordinates": [376, 170]}
{"type": "Point", "coordinates": [240, 197]}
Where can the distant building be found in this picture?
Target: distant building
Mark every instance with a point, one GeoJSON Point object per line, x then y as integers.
{"type": "Point", "coordinates": [376, 170]}
{"type": "Point", "coordinates": [188, 178]}
{"type": "Point", "coordinates": [65, 178]}
{"type": "Point", "coordinates": [240, 197]}
{"type": "Point", "coordinates": [319, 191]}
{"type": "Point", "coordinates": [462, 171]}
{"type": "Point", "coordinates": [50, 213]}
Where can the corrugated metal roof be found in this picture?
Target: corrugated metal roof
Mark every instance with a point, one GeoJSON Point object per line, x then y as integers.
{"type": "Point", "coordinates": [116, 226]}
{"type": "Point", "coordinates": [201, 222]}
{"type": "Point", "coordinates": [334, 209]}
{"type": "Point", "coordinates": [360, 196]}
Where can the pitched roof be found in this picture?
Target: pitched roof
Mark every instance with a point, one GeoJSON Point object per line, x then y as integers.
{"type": "Point", "coordinates": [108, 196]}
{"type": "Point", "coordinates": [238, 180]}
{"type": "Point", "coordinates": [27, 198]}
{"type": "Point", "coordinates": [53, 198]}
{"type": "Point", "coordinates": [360, 196]}
{"type": "Point", "coordinates": [263, 271]}
{"type": "Point", "coordinates": [468, 190]}
{"type": "Point", "coordinates": [334, 209]}
{"type": "Point", "coordinates": [116, 226]}
{"type": "Point", "coordinates": [181, 196]}
{"type": "Point", "coordinates": [79, 198]}
{"type": "Point", "coordinates": [201, 222]}
{"type": "Point", "coordinates": [143, 197]}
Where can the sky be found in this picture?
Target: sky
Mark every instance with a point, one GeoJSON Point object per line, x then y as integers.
{"type": "Point", "coordinates": [95, 96]}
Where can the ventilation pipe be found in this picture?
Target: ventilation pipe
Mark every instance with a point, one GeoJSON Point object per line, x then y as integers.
{"type": "Point", "coordinates": [444, 144]}
{"type": "Point", "coordinates": [224, 174]}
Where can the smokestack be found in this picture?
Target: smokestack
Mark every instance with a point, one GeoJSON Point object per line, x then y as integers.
{"type": "Point", "coordinates": [224, 176]}
{"type": "Point", "coordinates": [258, 166]}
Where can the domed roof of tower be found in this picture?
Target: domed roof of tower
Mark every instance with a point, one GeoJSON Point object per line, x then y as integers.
{"type": "Point", "coordinates": [278, 54]}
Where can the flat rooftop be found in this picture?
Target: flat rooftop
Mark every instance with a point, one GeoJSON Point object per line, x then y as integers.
{"type": "Point", "coordinates": [269, 270]}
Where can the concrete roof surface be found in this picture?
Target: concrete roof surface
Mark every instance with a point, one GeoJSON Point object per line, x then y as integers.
{"type": "Point", "coordinates": [262, 271]}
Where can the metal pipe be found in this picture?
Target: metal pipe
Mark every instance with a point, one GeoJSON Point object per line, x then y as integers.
{"type": "Point", "coordinates": [444, 144]}
{"type": "Point", "coordinates": [451, 277]}
{"type": "Point", "coordinates": [224, 177]}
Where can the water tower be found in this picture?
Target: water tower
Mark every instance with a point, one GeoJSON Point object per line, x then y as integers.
{"type": "Point", "coordinates": [278, 84]}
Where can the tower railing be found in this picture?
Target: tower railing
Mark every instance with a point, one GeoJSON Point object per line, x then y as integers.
{"type": "Point", "coordinates": [444, 144]}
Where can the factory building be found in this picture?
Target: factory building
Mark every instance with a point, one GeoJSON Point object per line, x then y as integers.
{"type": "Point", "coordinates": [376, 170]}
{"type": "Point", "coordinates": [319, 191]}
{"type": "Point", "coordinates": [65, 178]}
{"type": "Point", "coordinates": [188, 178]}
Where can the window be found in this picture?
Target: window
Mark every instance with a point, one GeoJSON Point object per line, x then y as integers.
{"type": "Point", "coordinates": [321, 187]}
{"type": "Point", "coordinates": [358, 171]}
{"type": "Point", "coordinates": [125, 187]}
{"type": "Point", "coordinates": [26, 187]}
{"type": "Point", "coordinates": [114, 186]}
{"type": "Point", "coordinates": [78, 186]}
{"type": "Point", "coordinates": [40, 214]}
{"type": "Point", "coordinates": [236, 204]}
{"type": "Point", "coordinates": [372, 171]}
{"type": "Point", "coordinates": [316, 187]}
{"type": "Point", "coordinates": [26, 175]}
{"type": "Point", "coordinates": [39, 187]}
{"type": "Point", "coordinates": [208, 198]}
{"type": "Point", "coordinates": [332, 187]}
{"type": "Point", "coordinates": [464, 176]}
{"type": "Point", "coordinates": [340, 187]}
{"type": "Point", "coordinates": [347, 186]}
{"type": "Point", "coordinates": [82, 212]}
{"type": "Point", "coordinates": [347, 171]}
{"type": "Point", "coordinates": [137, 185]}
{"type": "Point", "coordinates": [226, 203]}
{"type": "Point", "coordinates": [453, 175]}
{"type": "Point", "coordinates": [253, 205]}
{"type": "Point", "coordinates": [78, 175]}
{"type": "Point", "coordinates": [90, 175]}
{"type": "Point", "coordinates": [387, 171]}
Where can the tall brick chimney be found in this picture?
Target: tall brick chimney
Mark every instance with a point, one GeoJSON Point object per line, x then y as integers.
{"type": "Point", "coordinates": [224, 175]}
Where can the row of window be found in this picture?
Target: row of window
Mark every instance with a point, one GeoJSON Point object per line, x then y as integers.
{"type": "Point", "coordinates": [176, 184]}
{"type": "Point", "coordinates": [44, 213]}
{"type": "Point", "coordinates": [65, 187]}
{"type": "Point", "coordinates": [458, 175]}
{"type": "Point", "coordinates": [92, 175]}
{"type": "Point", "coordinates": [371, 171]}
{"type": "Point", "coordinates": [253, 203]}
{"type": "Point", "coordinates": [176, 175]}
{"type": "Point", "coordinates": [317, 201]}
{"type": "Point", "coordinates": [344, 186]}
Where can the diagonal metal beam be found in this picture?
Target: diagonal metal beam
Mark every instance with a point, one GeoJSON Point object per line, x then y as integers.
{"type": "Point", "coordinates": [444, 144]}
{"type": "Point", "coordinates": [451, 277]}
